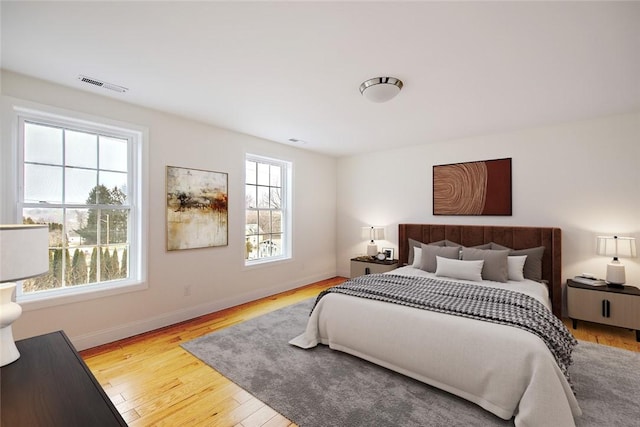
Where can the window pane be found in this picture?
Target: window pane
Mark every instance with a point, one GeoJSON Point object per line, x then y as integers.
{"type": "Point", "coordinates": [251, 247]}
{"type": "Point", "coordinates": [75, 223]}
{"type": "Point", "coordinates": [114, 226]}
{"type": "Point", "coordinates": [85, 221]}
{"type": "Point", "coordinates": [263, 197]}
{"type": "Point", "coordinates": [250, 173]}
{"type": "Point", "coordinates": [81, 149]}
{"type": "Point", "coordinates": [113, 154]}
{"type": "Point", "coordinates": [78, 184]}
{"type": "Point", "coordinates": [251, 224]}
{"type": "Point", "coordinates": [124, 261]}
{"type": "Point", "coordinates": [276, 221]}
{"type": "Point", "coordinates": [101, 195]}
{"type": "Point", "coordinates": [250, 196]}
{"type": "Point", "coordinates": [268, 247]}
{"type": "Point", "coordinates": [79, 267]}
{"type": "Point", "coordinates": [264, 221]}
{"type": "Point", "coordinates": [275, 201]}
{"type": "Point", "coordinates": [276, 174]}
{"type": "Point", "coordinates": [42, 183]}
{"type": "Point", "coordinates": [263, 174]}
{"type": "Point", "coordinates": [42, 144]}
{"type": "Point", "coordinates": [116, 183]}
{"type": "Point", "coordinates": [276, 246]}
{"type": "Point", "coordinates": [109, 263]}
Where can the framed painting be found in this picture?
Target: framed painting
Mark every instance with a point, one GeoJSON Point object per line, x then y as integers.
{"type": "Point", "coordinates": [197, 208]}
{"type": "Point", "coordinates": [472, 188]}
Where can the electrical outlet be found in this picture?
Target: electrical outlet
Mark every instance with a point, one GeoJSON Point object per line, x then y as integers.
{"type": "Point", "coordinates": [187, 290]}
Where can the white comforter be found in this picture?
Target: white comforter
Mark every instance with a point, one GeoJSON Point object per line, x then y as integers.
{"type": "Point", "coordinates": [505, 370]}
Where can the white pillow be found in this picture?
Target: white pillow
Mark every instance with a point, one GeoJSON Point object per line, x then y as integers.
{"type": "Point", "coordinates": [417, 257]}
{"type": "Point", "coordinates": [457, 269]}
{"type": "Point", "coordinates": [515, 266]}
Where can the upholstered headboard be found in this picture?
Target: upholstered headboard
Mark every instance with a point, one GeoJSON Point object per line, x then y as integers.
{"type": "Point", "coordinates": [512, 237]}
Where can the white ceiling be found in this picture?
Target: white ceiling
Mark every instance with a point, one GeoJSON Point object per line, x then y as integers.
{"type": "Point", "coordinates": [281, 70]}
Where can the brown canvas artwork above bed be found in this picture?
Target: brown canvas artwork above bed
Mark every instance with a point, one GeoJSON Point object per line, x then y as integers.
{"type": "Point", "coordinates": [512, 237]}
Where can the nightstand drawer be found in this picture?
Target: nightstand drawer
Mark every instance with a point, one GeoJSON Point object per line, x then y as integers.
{"type": "Point", "coordinates": [604, 307]}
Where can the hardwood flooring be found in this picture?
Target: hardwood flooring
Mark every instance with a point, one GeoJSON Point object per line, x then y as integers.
{"type": "Point", "coordinates": [603, 334]}
{"type": "Point", "coordinates": [154, 382]}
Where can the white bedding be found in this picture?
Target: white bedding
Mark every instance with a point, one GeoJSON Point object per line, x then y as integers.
{"type": "Point", "coordinates": [503, 369]}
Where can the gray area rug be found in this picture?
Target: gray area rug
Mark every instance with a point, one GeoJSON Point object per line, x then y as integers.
{"type": "Point", "coordinates": [321, 387]}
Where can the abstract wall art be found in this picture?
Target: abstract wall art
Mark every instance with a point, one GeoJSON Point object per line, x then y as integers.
{"type": "Point", "coordinates": [197, 214]}
{"type": "Point", "coordinates": [472, 188]}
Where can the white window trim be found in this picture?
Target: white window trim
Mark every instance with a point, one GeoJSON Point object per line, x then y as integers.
{"type": "Point", "coordinates": [139, 159]}
{"type": "Point", "coordinates": [287, 189]}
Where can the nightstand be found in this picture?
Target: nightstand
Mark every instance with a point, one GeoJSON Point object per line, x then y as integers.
{"type": "Point", "coordinates": [367, 265]}
{"type": "Point", "coordinates": [604, 304]}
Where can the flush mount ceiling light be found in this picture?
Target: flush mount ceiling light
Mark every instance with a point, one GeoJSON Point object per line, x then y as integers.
{"type": "Point", "coordinates": [380, 89]}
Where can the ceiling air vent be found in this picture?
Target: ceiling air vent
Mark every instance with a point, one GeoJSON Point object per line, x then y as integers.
{"type": "Point", "coordinates": [103, 84]}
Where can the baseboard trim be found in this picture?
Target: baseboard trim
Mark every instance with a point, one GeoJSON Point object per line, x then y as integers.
{"type": "Point", "coordinates": [104, 336]}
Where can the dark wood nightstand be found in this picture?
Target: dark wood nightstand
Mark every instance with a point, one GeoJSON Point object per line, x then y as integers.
{"type": "Point", "coordinates": [367, 265]}
{"type": "Point", "coordinates": [50, 385]}
{"type": "Point", "coordinates": [604, 304]}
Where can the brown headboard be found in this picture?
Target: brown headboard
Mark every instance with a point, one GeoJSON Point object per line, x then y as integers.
{"type": "Point", "coordinates": [512, 237]}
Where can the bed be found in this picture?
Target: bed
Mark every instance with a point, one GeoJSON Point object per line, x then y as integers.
{"type": "Point", "coordinates": [503, 369]}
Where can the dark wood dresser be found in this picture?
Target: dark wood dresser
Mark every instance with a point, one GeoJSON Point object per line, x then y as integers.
{"type": "Point", "coordinates": [50, 385]}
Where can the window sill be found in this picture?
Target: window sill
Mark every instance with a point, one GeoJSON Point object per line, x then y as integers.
{"type": "Point", "coordinates": [30, 303]}
{"type": "Point", "coordinates": [267, 262]}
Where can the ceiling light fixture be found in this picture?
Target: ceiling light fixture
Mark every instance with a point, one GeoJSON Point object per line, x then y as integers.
{"type": "Point", "coordinates": [381, 89]}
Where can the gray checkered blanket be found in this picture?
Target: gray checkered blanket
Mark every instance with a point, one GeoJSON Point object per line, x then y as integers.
{"type": "Point", "coordinates": [461, 299]}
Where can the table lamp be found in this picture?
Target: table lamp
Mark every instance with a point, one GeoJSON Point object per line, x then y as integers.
{"type": "Point", "coordinates": [372, 234]}
{"type": "Point", "coordinates": [24, 253]}
{"type": "Point", "coordinates": [616, 247]}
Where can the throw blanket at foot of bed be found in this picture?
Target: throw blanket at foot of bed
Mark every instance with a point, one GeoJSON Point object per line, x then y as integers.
{"type": "Point", "coordinates": [431, 333]}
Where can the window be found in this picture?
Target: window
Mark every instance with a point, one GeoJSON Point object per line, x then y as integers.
{"type": "Point", "coordinates": [267, 201]}
{"type": "Point", "coordinates": [82, 179]}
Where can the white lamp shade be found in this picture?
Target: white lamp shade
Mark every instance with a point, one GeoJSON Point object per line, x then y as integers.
{"type": "Point", "coordinates": [24, 251]}
{"type": "Point", "coordinates": [617, 247]}
{"type": "Point", "coordinates": [373, 233]}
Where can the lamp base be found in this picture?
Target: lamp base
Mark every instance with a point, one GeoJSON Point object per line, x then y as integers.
{"type": "Point", "coordinates": [615, 273]}
{"type": "Point", "coordinates": [372, 249]}
{"type": "Point", "coordinates": [9, 352]}
{"type": "Point", "coordinates": [9, 312]}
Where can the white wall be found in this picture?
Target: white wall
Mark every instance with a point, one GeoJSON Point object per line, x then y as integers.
{"type": "Point", "coordinates": [583, 177]}
{"type": "Point", "coordinates": [217, 276]}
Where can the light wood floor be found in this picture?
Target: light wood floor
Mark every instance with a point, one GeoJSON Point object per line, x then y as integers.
{"type": "Point", "coordinates": [154, 382]}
